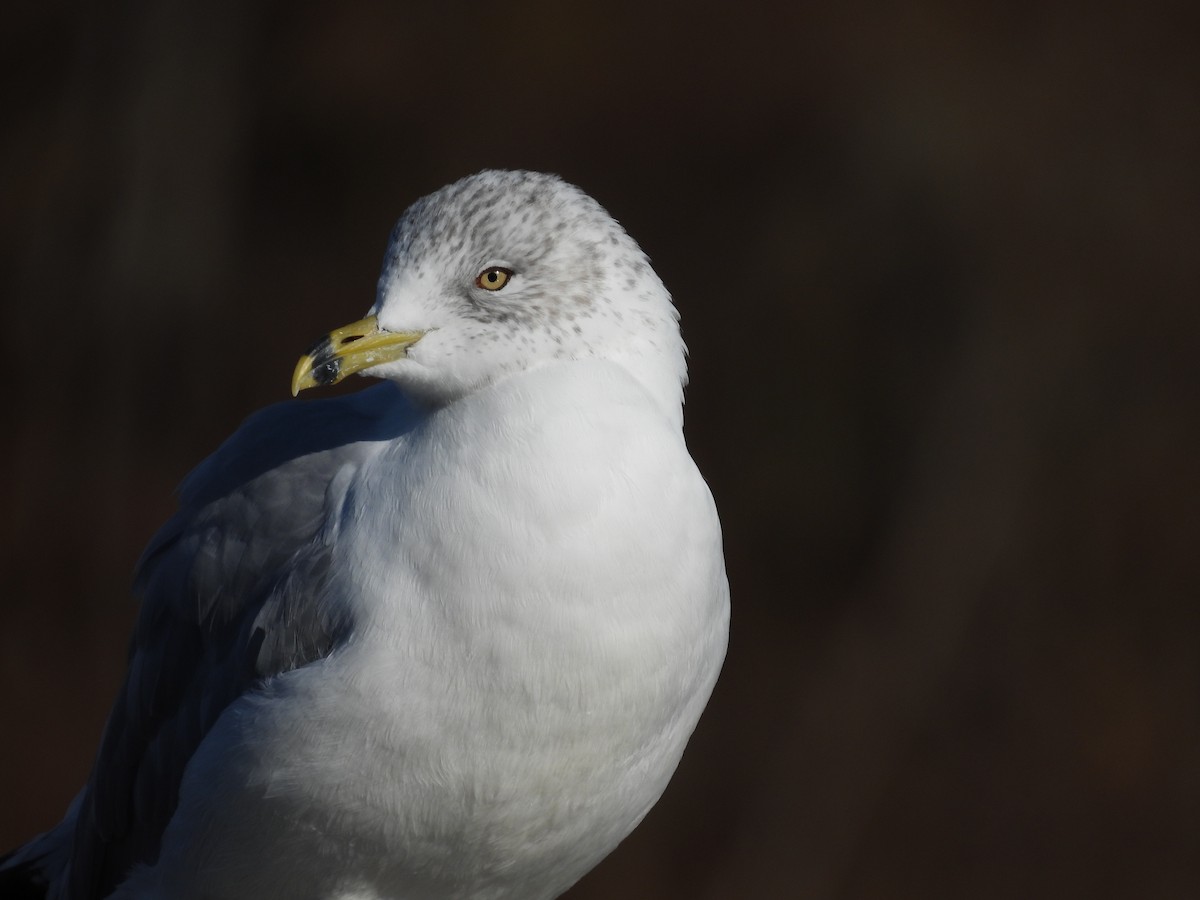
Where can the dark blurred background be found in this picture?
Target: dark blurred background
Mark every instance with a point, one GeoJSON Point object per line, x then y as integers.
{"type": "Point", "coordinates": [938, 270]}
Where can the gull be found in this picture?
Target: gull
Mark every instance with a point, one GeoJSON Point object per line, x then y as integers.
{"type": "Point", "coordinates": [445, 637]}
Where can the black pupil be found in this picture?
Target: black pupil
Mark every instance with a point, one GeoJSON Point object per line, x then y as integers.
{"type": "Point", "coordinates": [493, 277]}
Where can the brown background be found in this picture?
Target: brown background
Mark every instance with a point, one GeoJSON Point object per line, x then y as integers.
{"type": "Point", "coordinates": [937, 266]}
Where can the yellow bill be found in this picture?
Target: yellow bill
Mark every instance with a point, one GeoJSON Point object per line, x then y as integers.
{"type": "Point", "coordinates": [351, 349]}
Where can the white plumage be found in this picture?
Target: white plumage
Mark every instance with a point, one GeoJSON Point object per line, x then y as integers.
{"type": "Point", "coordinates": [443, 638]}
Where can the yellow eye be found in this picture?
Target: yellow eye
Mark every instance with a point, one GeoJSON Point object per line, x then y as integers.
{"type": "Point", "coordinates": [493, 278]}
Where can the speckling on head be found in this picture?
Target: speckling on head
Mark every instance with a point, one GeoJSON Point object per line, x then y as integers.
{"type": "Point", "coordinates": [581, 287]}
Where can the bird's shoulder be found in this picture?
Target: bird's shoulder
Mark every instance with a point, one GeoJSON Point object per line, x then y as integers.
{"type": "Point", "coordinates": [232, 593]}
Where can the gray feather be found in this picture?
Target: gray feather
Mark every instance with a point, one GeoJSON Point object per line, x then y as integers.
{"type": "Point", "coordinates": [232, 594]}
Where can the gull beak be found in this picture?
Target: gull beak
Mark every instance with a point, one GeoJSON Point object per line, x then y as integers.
{"type": "Point", "coordinates": [351, 349]}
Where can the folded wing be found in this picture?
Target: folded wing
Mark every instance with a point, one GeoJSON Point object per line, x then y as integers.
{"type": "Point", "coordinates": [233, 593]}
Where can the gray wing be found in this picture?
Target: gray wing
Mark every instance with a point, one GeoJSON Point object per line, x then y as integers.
{"type": "Point", "coordinates": [232, 594]}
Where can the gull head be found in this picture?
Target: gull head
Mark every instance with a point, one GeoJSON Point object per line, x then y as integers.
{"type": "Point", "coordinates": [500, 273]}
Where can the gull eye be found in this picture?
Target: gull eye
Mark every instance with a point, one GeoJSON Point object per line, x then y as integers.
{"type": "Point", "coordinates": [493, 278]}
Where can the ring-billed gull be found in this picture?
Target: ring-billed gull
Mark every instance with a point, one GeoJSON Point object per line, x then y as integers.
{"type": "Point", "coordinates": [442, 638]}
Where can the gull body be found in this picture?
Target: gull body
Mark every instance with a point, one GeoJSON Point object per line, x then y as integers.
{"type": "Point", "coordinates": [443, 638]}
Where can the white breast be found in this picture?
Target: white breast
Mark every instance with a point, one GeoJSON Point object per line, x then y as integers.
{"type": "Point", "coordinates": [522, 680]}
